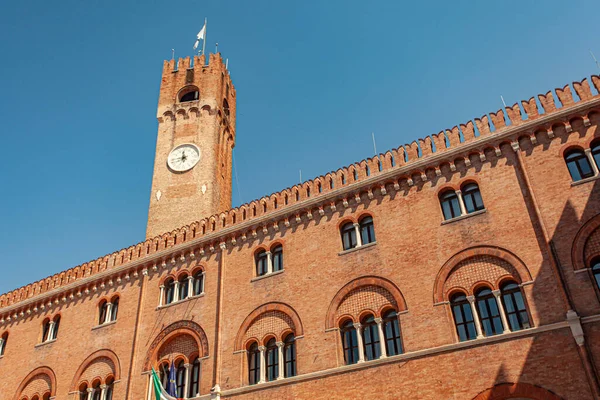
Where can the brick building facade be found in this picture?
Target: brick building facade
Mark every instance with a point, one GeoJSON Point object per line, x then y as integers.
{"type": "Point", "coordinates": [465, 265]}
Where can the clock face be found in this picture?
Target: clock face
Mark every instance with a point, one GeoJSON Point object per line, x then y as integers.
{"type": "Point", "coordinates": [183, 157]}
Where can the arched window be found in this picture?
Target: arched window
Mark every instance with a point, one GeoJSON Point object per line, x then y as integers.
{"type": "Point", "coordinates": [371, 338]}
{"type": "Point", "coordinates": [596, 271]}
{"type": "Point", "coordinates": [46, 396]}
{"type": "Point", "coordinates": [103, 311]}
{"type": "Point", "coordinates": [349, 342]}
{"type": "Point", "coordinates": [472, 198]}
{"type": "Point", "coordinates": [348, 236]}
{"type": "Point", "coordinates": [56, 326]}
{"type": "Point", "coordinates": [253, 364]}
{"type": "Point", "coordinates": [110, 385]}
{"type": "Point", "coordinates": [289, 355]}
{"type": "Point", "coordinates": [97, 391]}
{"type": "Point", "coordinates": [180, 379]}
{"type": "Point", "coordinates": [183, 286]}
{"type": "Point", "coordinates": [489, 313]}
{"type": "Point", "coordinates": [3, 340]}
{"type": "Point", "coordinates": [261, 263]}
{"type": "Point", "coordinates": [277, 255]}
{"type": "Point", "coordinates": [391, 331]}
{"type": "Point", "coordinates": [450, 204]}
{"type": "Point", "coordinates": [198, 283]}
{"type": "Point", "coordinates": [272, 360]}
{"type": "Point", "coordinates": [164, 375]}
{"type": "Point", "coordinates": [596, 152]}
{"type": "Point", "coordinates": [578, 165]}
{"type": "Point", "coordinates": [46, 331]}
{"type": "Point", "coordinates": [169, 291]}
{"type": "Point", "coordinates": [190, 94]}
{"type": "Point", "coordinates": [463, 317]}
{"type": "Point", "coordinates": [367, 232]}
{"type": "Point", "coordinates": [514, 307]}
{"type": "Point", "coordinates": [83, 392]}
{"type": "Point", "coordinates": [114, 309]}
{"type": "Point", "coordinates": [195, 379]}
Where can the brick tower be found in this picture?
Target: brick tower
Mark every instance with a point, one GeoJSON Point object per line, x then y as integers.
{"type": "Point", "coordinates": [196, 135]}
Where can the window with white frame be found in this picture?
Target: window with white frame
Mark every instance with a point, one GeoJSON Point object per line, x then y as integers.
{"type": "Point", "coordinates": [50, 329]}
{"type": "Point", "coordinates": [186, 286]}
{"type": "Point", "coordinates": [269, 261]}
{"type": "Point", "coordinates": [583, 164]}
{"type": "Point", "coordinates": [489, 312]}
{"type": "Point", "coordinates": [273, 360]}
{"type": "Point", "coordinates": [461, 202]}
{"type": "Point", "coordinates": [357, 234]}
{"type": "Point", "coordinates": [108, 310]}
{"type": "Point", "coordinates": [3, 341]}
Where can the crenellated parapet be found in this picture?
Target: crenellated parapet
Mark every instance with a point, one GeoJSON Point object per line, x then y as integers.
{"type": "Point", "coordinates": [422, 160]}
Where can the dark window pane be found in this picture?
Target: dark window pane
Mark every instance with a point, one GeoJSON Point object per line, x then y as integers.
{"type": "Point", "coordinates": [463, 317]}
{"type": "Point", "coordinates": [489, 313]}
{"type": "Point", "coordinates": [578, 165]}
{"type": "Point", "coordinates": [514, 307]}
{"type": "Point", "coordinates": [367, 231]}
{"type": "Point", "coordinates": [348, 236]}
{"type": "Point", "coordinates": [450, 205]}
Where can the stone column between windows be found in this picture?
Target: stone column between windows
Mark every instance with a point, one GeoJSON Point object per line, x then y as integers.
{"type": "Point", "coordinates": [186, 381]}
{"type": "Point", "coordinates": [107, 317]}
{"type": "Point", "coordinates": [269, 262]}
{"type": "Point", "coordinates": [176, 291]}
{"type": "Point", "coordinates": [161, 299]}
{"type": "Point", "coordinates": [461, 203]}
{"type": "Point", "coordinates": [359, 339]}
{"type": "Point", "coordinates": [203, 280]}
{"type": "Point", "coordinates": [103, 392]}
{"type": "Point", "coordinates": [263, 365]}
{"type": "Point", "coordinates": [475, 316]}
{"type": "Point", "coordinates": [357, 233]}
{"type": "Point", "coordinates": [379, 322]}
{"type": "Point", "coordinates": [280, 364]}
{"type": "Point", "coordinates": [588, 153]}
{"type": "Point", "coordinates": [190, 292]}
{"type": "Point", "coordinates": [497, 295]}
{"type": "Point", "coordinates": [90, 393]}
{"type": "Point", "coordinates": [50, 331]}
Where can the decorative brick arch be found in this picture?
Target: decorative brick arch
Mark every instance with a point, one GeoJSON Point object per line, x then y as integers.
{"type": "Point", "coordinates": [491, 251]}
{"type": "Point", "coordinates": [265, 308]}
{"type": "Point", "coordinates": [580, 251]}
{"type": "Point", "coordinates": [93, 358]}
{"type": "Point", "coordinates": [504, 391]}
{"type": "Point", "coordinates": [365, 281]}
{"type": "Point", "coordinates": [172, 331]}
{"type": "Point", "coordinates": [41, 372]}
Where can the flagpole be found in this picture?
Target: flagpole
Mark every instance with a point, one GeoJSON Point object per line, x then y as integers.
{"type": "Point", "coordinates": [205, 33]}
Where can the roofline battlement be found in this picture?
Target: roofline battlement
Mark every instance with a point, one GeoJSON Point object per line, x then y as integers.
{"type": "Point", "coordinates": [418, 160]}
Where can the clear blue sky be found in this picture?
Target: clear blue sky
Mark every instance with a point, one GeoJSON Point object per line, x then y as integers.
{"type": "Point", "coordinates": [79, 84]}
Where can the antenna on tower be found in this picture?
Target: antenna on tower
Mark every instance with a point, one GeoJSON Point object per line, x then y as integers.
{"type": "Point", "coordinates": [503, 102]}
{"type": "Point", "coordinates": [374, 145]}
{"type": "Point", "coordinates": [594, 58]}
{"type": "Point", "coordinates": [227, 64]}
{"type": "Point", "coordinates": [216, 47]}
{"type": "Point", "coordinates": [300, 175]}
{"type": "Point", "coordinates": [172, 54]}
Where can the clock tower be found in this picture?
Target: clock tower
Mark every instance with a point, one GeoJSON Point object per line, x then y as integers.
{"type": "Point", "coordinates": [196, 135]}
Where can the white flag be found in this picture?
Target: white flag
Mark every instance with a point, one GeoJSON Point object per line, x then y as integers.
{"type": "Point", "coordinates": [201, 36]}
